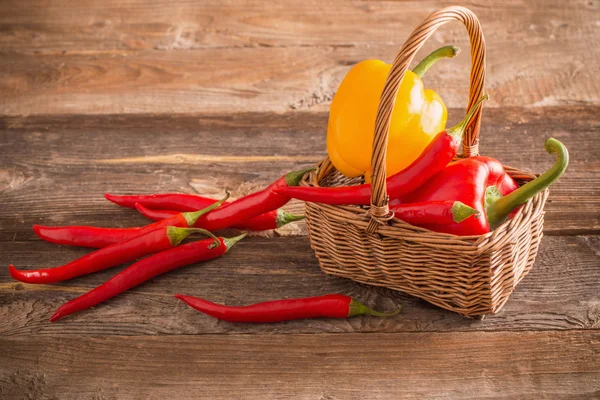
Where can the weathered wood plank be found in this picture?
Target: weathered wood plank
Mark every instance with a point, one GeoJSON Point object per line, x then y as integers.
{"type": "Point", "coordinates": [71, 26]}
{"type": "Point", "coordinates": [55, 170]}
{"type": "Point", "coordinates": [70, 57]}
{"type": "Point", "coordinates": [561, 293]}
{"type": "Point", "coordinates": [540, 365]}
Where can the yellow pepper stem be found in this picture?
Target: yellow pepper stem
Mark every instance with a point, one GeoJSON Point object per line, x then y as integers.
{"type": "Point", "coordinates": [444, 52]}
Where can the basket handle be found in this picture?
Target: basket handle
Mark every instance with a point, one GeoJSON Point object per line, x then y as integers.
{"type": "Point", "coordinates": [379, 198]}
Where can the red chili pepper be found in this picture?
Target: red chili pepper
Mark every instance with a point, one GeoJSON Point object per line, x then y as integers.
{"type": "Point", "coordinates": [161, 206]}
{"type": "Point", "coordinates": [167, 201]}
{"type": "Point", "coordinates": [119, 253]}
{"type": "Point", "coordinates": [331, 306]}
{"type": "Point", "coordinates": [440, 151]}
{"type": "Point", "coordinates": [95, 237]}
{"type": "Point", "coordinates": [227, 216]}
{"type": "Point", "coordinates": [267, 221]}
{"type": "Point", "coordinates": [252, 205]}
{"type": "Point", "coordinates": [482, 183]}
{"type": "Point", "coordinates": [433, 212]}
{"type": "Point", "coordinates": [146, 269]}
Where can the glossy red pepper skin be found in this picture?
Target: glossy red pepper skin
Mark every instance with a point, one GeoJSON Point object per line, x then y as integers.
{"type": "Point", "coordinates": [248, 207]}
{"type": "Point", "coordinates": [497, 176]}
{"type": "Point", "coordinates": [161, 206]}
{"type": "Point", "coordinates": [483, 184]}
{"type": "Point", "coordinates": [433, 212]}
{"type": "Point", "coordinates": [465, 181]}
{"type": "Point", "coordinates": [330, 306]}
{"type": "Point", "coordinates": [442, 149]}
{"type": "Point", "coordinates": [146, 243]}
{"type": "Point", "coordinates": [226, 216]}
{"type": "Point", "coordinates": [165, 201]}
{"type": "Point", "coordinates": [144, 270]}
{"type": "Point", "coordinates": [95, 237]}
{"type": "Point", "coordinates": [263, 222]}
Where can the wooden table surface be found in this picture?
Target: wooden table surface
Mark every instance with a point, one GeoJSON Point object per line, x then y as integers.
{"type": "Point", "coordinates": [128, 96]}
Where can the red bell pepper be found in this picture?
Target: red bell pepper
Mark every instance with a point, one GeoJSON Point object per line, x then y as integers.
{"type": "Point", "coordinates": [482, 183]}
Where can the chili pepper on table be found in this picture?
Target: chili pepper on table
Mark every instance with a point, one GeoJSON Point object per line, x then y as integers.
{"type": "Point", "coordinates": [482, 183]}
{"type": "Point", "coordinates": [148, 243]}
{"type": "Point", "coordinates": [331, 306]}
{"type": "Point", "coordinates": [242, 209]}
{"type": "Point", "coordinates": [146, 269]}
{"type": "Point", "coordinates": [96, 237]}
{"type": "Point", "coordinates": [419, 114]}
{"type": "Point", "coordinates": [267, 221]}
{"type": "Point", "coordinates": [160, 206]}
{"type": "Point", "coordinates": [442, 149]}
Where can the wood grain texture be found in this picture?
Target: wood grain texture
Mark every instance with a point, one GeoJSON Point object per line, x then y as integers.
{"type": "Point", "coordinates": [532, 365]}
{"type": "Point", "coordinates": [128, 56]}
{"type": "Point", "coordinates": [55, 170]}
{"type": "Point", "coordinates": [204, 96]}
{"type": "Point", "coordinates": [561, 293]}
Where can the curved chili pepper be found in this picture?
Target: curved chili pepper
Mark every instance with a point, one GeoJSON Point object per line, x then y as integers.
{"type": "Point", "coordinates": [433, 212]}
{"type": "Point", "coordinates": [252, 205]}
{"type": "Point", "coordinates": [233, 213]}
{"type": "Point", "coordinates": [267, 221]}
{"type": "Point", "coordinates": [147, 243]}
{"type": "Point", "coordinates": [482, 183]}
{"type": "Point", "coordinates": [331, 306]}
{"type": "Point", "coordinates": [95, 237]}
{"type": "Point", "coordinates": [146, 269]}
{"type": "Point", "coordinates": [160, 206]}
{"type": "Point", "coordinates": [438, 153]}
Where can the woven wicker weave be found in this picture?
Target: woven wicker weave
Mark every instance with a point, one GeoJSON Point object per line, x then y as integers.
{"type": "Point", "coordinates": [471, 275]}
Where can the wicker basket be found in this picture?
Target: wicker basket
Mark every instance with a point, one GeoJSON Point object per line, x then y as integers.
{"type": "Point", "coordinates": [473, 275]}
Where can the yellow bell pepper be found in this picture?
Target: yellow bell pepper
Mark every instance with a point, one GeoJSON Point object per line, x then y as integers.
{"type": "Point", "coordinates": [419, 114]}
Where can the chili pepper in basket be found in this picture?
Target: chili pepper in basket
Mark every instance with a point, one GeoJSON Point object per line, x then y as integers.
{"type": "Point", "coordinates": [331, 306]}
{"type": "Point", "coordinates": [419, 114]}
{"type": "Point", "coordinates": [442, 149]}
{"type": "Point", "coordinates": [148, 243]}
{"type": "Point", "coordinates": [242, 209]}
{"type": "Point", "coordinates": [482, 183]}
{"type": "Point", "coordinates": [267, 221]}
{"type": "Point", "coordinates": [434, 212]}
{"type": "Point", "coordinates": [96, 237]}
{"type": "Point", "coordinates": [160, 206]}
{"type": "Point", "coordinates": [147, 269]}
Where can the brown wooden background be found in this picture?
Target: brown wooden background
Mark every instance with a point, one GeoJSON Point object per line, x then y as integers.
{"type": "Point", "coordinates": [130, 96]}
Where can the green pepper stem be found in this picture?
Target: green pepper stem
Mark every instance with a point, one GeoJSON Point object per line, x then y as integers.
{"type": "Point", "coordinates": [358, 308]}
{"type": "Point", "coordinates": [176, 235]}
{"type": "Point", "coordinates": [192, 217]}
{"type": "Point", "coordinates": [461, 211]}
{"type": "Point", "coordinates": [426, 63]}
{"type": "Point", "coordinates": [498, 211]}
{"type": "Point", "coordinates": [458, 129]}
{"type": "Point", "coordinates": [293, 178]}
{"type": "Point", "coordinates": [284, 218]}
{"type": "Point", "coordinates": [229, 242]}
